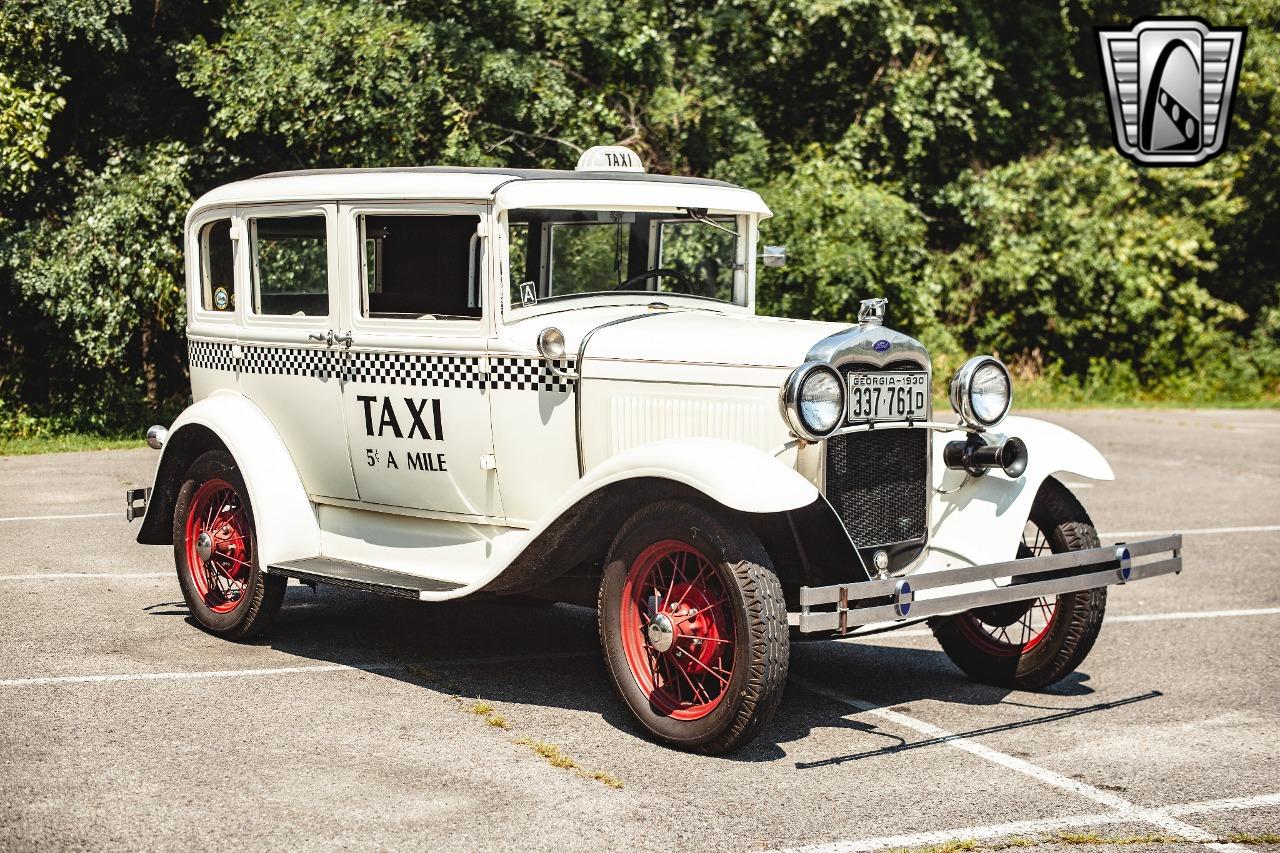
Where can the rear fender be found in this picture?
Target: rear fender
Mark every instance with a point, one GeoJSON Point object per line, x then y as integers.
{"type": "Point", "coordinates": [284, 517]}
{"type": "Point", "coordinates": [982, 521]}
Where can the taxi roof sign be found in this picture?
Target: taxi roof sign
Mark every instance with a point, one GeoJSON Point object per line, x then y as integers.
{"type": "Point", "coordinates": [609, 158]}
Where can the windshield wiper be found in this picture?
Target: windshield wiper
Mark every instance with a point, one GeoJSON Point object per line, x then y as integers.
{"type": "Point", "coordinates": [699, 214]}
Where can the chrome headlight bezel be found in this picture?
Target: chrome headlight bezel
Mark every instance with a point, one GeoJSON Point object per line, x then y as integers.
{"type": "Point", "coordinates": [961, 392]}
{"type": "Point", "coordinates": [792, 396]}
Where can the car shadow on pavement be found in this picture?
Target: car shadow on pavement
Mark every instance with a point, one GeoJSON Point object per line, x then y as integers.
{"type": "Point", "coordinates": [543, 655]}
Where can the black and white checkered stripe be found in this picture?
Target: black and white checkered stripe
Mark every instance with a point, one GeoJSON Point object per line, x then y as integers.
{"type": "Point", "coordinates": [529, 374]}
{"type": "Point", "coordinates": [292, 361]}
{"type": "Point", "coordinates": [516, 373]}
{"type": "Point", "coordinates": [441, 371]}
{"type": "Point", "coordinates": [211, 356]}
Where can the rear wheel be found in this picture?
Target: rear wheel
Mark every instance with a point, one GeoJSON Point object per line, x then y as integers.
{"type": "Point", "coordinates": [1034, 643]}
{"type": "Point", "coordinates": [693, 627]}
{"type": "Point", "coordinates": [216, 554]}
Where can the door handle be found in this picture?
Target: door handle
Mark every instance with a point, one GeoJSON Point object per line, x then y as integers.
{"type": "Point", "coordinates": [327, 337]}
{"type": "Point", "coordinates": [345, 339]}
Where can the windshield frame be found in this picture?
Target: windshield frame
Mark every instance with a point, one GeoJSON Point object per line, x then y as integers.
{"type": "Point", "coordinates": [745, 223]}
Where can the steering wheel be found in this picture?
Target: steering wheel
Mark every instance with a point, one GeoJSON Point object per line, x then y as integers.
{"type": "Point", "coordinates": [680, 278]}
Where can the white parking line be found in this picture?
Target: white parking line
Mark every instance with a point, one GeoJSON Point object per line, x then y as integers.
{"type": "Point", "coordinates": [81, 575]}
{"type": "Point", "coordinates": [1124, 808]}
{"type": "Point", "coordinates": [58, 517]}
{"type": "Point", "coordinates": [1196, 531]}
{"type": "Point", "coordinates": [279, 670]}
{"type": "Point", "coordinates": [1131, 617]}
{"type": "Point", "coordinates": [1029, 827]}
{"type": "Point", "coordinates": [1195, 614]}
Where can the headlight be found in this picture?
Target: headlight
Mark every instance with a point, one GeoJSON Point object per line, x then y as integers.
{"type": "Point", "coordinates": [982, 392]}
{"type": "Point", "coordinates": [813, 401]}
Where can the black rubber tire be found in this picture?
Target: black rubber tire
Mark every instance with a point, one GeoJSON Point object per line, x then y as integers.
{"type": "Point", "coordinates": [760, 624]}
{"type": "Point", "coordinates": [1076, 622]}
{"type": "Point", "coordinates": [265, 592]}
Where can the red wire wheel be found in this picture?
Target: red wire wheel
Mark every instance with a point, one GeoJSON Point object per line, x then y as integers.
{"type": "Point", "coordinates": [677, 630]}
{"type": "Point", "coordinates": [219, 545]}
{"type": "Point", "coordinates": [1032, 643]}
{"type": "Point", "coordinates": [1013, 629]}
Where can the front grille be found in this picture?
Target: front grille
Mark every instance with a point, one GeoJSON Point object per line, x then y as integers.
{"type": "Point", "coordinates": [876, 481]}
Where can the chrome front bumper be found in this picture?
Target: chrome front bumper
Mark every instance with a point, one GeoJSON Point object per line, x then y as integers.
{"type": "Point", "coordinates": [895, 599]}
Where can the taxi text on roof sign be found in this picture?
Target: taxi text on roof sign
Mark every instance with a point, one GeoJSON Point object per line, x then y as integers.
{"type": "Point", "coordinates": [609, 158]}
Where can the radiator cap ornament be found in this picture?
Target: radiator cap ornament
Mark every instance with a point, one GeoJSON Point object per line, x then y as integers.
{"type": "Point", "coordinates": [871, 311]}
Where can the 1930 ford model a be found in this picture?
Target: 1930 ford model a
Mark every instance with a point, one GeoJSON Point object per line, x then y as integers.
{"type": "Point", "coordinates": [439, 382]}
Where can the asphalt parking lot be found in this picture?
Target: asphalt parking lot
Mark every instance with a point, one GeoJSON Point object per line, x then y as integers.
{"type": "Point", "coordinates": [355, 724]}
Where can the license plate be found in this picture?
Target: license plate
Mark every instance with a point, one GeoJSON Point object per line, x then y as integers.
{"type": "Point", "coordinates": [889, 396]}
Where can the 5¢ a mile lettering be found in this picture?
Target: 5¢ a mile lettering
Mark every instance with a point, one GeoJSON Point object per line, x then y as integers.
{"type": "Point", "coordinates": [418, 419]}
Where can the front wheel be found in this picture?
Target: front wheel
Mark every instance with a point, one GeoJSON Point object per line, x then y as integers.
{"type": "Point", "coordinates": [1034, 643]}
{"type": "Point", "coordinates": [693, 627]}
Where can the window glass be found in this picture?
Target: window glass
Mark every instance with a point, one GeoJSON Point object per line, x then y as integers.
{"type": "Point", "coordinates": [589, 257]}
{"type": "Point", "coordinates": [217, 267]}
{"type": "Point", "coordinates": [421, 267]}
{"type": "Point", "coordinates": [555, 254]}
{"type": "Point", "coordinates": [291, 266]}
{"type": "Point", "coordinates": [705, 256]}
{"type": "Point", "coordinates": [519, 248]}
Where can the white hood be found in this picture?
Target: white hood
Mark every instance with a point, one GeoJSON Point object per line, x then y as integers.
{"type": "Point", "coordinates": [679, 336]}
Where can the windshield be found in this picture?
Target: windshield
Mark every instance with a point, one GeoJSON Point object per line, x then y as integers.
{"type": "Point", "coordinates": [557, 254]}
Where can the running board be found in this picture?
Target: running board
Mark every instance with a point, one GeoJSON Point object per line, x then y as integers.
{"type": "Point", "coordinates": [313, 570]}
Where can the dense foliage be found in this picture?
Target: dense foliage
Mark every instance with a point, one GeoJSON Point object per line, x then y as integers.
{"type": "Point", "coordinates": [953, 155]}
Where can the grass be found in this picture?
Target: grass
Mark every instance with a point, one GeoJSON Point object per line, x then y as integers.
{"type": "Point", "coordinates": [1034, 387]}
{"type": "Point", "coordinates": [64, 443]}
{"type": "Point", "coordinates": [549, 752]}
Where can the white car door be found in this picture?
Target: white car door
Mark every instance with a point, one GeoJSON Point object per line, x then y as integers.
{"type": "Point", "coordinates": [416, 395]}
{"type": "Point", "coordinates": [288, 368]}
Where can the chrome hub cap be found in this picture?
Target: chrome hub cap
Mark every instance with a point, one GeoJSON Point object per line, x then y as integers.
{"type": "Point", "coordinates": [204, 545]}
{"type": "Point", "coordinates": [661, 632]}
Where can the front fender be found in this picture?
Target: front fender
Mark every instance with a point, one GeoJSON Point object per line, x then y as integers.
{"type": "Point", "coordinates": [982, 521]}
{"type": "Point", "coordinates": [284, 517]}
{"type": "Point", "coordinates": [736, 475]}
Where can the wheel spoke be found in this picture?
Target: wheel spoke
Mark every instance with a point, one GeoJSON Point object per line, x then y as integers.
{"type": "Point", "coordinates": [705, 639]}
{"type": "Point", "coordinates": [722, 679]}
{"type": "Point", "coordinates": [697, 691]}
{"type": "Point", "coordinates": [702, 569]}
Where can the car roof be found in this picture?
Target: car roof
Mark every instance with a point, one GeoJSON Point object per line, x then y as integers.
{"type": "Point", "coordinates": [508, 174]}
{"type": "Point", "coordinates": [406, 183]}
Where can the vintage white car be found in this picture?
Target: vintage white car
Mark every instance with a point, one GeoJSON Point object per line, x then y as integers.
{"type": "Point", "coordinates": [443, 382]}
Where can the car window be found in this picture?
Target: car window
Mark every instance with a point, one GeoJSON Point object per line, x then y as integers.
{"type": "Point", "coordinates": [422, 267]}
{"type": "Point", "coordinates": [590, 257]}
{"type": "Point", "coordinates": [704, 256]}
{"type": "Point", "coordinates": [217, 267]}
{"type": "Point", "coordinates": [291, 266]}
{"type": "Point", "coordinates": [555, 254]}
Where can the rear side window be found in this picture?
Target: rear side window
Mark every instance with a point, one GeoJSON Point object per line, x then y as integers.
{"type": "Point", "coordinates": [290, 266]}
{"type": "Point", "coordinates": [217, 267]}
{"type": "Point", "coordinates": [421, 267]}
